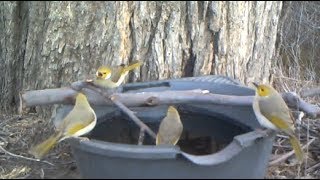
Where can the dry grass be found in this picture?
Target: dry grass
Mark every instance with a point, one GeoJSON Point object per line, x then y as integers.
{"type": "Point", "coordinates": [17, 134]}
{"type": "Point", "coordinates": [306, 130]}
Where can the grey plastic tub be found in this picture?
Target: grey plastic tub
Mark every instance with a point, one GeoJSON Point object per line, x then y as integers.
{"type": "Point", "coordinates": [217, 141]}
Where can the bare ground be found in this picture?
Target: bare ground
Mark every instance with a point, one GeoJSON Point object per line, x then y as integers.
{"type": "Point", "coordinates": [17, 134]}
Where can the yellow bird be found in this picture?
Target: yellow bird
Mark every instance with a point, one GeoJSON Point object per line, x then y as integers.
{"type": "Point", "coordinates": [114, 77]}
{"type": "Point", "coordinates": [170, 128]}
{"type": "Point", "coordinates": [81, 120]}
{"type": "Point", "coordinates": [273, 113]}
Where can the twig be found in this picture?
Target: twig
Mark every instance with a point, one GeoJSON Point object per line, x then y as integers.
{"type": "Point", "coordinates": [310, 92]}
{"type": "Point", "coordinates": [2, 133]}
{"type": "Point", "coordinates": [315, 132]}
{"type": "Point", "coordinates": [10, 119]}
{"type": "Point", "coordinates": [287, 155]}
{"type": "Point", "coordinates": [281, 146]}
{"type": "Point", "coordinates": [313, 167]}
{"type": "Point", "coordinates": [141, 136]}
{"type": "Point", "coordinates": [42, 173]}
{"type": "Point", "coordinates": [132, 116]}
{"type": "Point", "coordinates": [282, 136]}
{"type": "Point", "coordinates": [308, 136]}
{"type": "Point", "coordinates": [19, 156]}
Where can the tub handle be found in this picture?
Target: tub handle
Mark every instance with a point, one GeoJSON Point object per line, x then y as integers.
{"type": "Point", "coordinates": [236, 146]}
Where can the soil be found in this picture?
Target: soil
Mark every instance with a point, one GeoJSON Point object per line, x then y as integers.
{"type": "Point", "coordinates": [17, 135]}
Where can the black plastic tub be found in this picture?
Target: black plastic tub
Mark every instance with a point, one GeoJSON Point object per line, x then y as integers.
{"type": "Point", "coordinates": [217, 141]}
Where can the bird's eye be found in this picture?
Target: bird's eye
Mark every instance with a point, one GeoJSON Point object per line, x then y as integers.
{"type": "Point", "coordinates": [262, 89]}
{"type": "Point", "coordinates": [104, 73]}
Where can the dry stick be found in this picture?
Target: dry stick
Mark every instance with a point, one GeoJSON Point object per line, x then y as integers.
{"type": "Point", "coordinates": [3, 133]}
{"type": "Point", "coordinates": [313, 167]}
{"type": "Point", "coordinates": [287, 155]}
{"type": "Point", "coordinates": [308, 129]}
{"type": "Point", "coordinates": [295, 102]}
{"type": "Point", "coordinates": [310, 92]}
{"type": "Point", "coordinates": [141, 136]}
{"type": "Point", "coordinates": [65, 96]}
{"type": "Point", "coordinates": [132, 116]}
{"type": "Point", "coordinates": [9, 119]}
{"type": "Point", "coordinates": [282, 146]}
{"type": "Point", "coordinates": [19, 156]}
{"type": "Point", "coordinates": [41, 174]}
{"type": "Point", "coordinates": [308, 136]}
{"type": "Point", "coordinates": [283, 136]}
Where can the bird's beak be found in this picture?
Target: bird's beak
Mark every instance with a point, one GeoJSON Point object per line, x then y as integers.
{"type": "Point", "coordinates": [255, 84]}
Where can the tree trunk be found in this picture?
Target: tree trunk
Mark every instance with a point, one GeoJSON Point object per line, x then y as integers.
{"type": "Point", "coordinates": [51, 44]}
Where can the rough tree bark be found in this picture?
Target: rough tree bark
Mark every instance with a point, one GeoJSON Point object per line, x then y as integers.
{"type": "Point", "coordinates": [51, 44]}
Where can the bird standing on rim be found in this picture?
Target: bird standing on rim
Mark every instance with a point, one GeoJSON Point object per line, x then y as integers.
{"type": "Point", "coordinates": [81, 120]}
{"type": "Point", "coordinates": [273, 113]}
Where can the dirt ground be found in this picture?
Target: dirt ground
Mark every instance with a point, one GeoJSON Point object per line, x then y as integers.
{"type": "Point", "coordinates": [17, 134]}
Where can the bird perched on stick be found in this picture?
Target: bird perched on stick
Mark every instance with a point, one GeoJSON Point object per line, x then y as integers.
{"type": "Point", "coordinates": [81, 120]}
{"type": "Point", "coordinates": [273, 113]}
{"type": "Point", "coordinates": [170, 128]}
{"type": "Point", "coordinates": [113, 77]}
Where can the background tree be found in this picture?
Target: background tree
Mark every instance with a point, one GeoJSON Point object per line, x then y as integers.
{"type": "Point", "coordinates": [51, 44]}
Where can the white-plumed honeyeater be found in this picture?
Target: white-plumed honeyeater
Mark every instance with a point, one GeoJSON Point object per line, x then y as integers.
{"type": "Point", "coordinates": [170, 128]}
{"type": "Point", "coordinates": [80, 121]}
{"type": "Point", "coordinates": [113, 77]}
{"type": "Point", "coordinates": [273, 113]}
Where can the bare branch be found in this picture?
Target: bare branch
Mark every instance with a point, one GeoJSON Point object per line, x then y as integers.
{"type": "Point", "coordinates": [295, 102]}
{"type": "Point", "coordinates": [310, 92]}
{"type": "Point", "coordinates": [65, 96]}
{"type": "Point", "coordinates": [141, 136]}
{"type": "Point", "coordinates": [314, 167]}
{"type": "Point", "coordinates": [96, 97]}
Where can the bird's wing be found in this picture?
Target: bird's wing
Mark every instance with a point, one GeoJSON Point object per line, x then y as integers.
{"type": "Point", "coordinates": [277, 115]}
{"type": "Point", "coordinates": [120, 72]}
{"type": "Point", "coordinates": [286, 113]}
{"type": "Point", "coordinates": [78, 119]}
{"type": "Point", "coordinates": [116, 73]}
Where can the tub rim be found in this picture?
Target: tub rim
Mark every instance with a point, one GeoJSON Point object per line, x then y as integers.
{"type": "Point", "coordinates": [154, 152]}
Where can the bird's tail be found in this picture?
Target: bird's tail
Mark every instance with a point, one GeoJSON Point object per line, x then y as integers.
{"type": "Point", "coordinates": [43, 148]}
{"type": "Point", "coordinates": [296, 147]}
{"type": "Point", "coordinates": [132, 66]}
